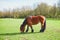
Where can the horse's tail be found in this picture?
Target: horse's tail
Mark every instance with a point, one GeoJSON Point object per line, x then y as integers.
{"type": "Point", "coordinates": [45, 25]}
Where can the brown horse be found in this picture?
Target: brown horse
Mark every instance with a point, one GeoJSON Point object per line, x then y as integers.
{"type": "Point", "coordinates": [33, 20]}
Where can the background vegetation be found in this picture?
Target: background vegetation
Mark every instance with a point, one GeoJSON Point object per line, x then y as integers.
{"type": "Point", "coordinates": [41, 9]}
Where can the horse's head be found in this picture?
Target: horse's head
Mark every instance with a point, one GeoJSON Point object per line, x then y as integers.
{"type": "Point", "coordinates": [22, 28]}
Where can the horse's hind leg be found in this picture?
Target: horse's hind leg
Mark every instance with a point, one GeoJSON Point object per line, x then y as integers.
{"type": "Point", "coordinates": [27, 29]}
{"type": "Point", "coordinates": [43, 27]}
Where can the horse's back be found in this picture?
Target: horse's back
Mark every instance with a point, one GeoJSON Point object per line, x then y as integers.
{"type": "Point", "coordinates": [35, 20]}
{"type": "Point", "coordinates": [32, 20]}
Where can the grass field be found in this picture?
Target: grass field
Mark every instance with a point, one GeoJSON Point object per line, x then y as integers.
{"type": "Point", "coordinates": [9, 30]}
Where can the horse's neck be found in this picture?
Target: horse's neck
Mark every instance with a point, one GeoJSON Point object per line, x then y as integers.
{"type": "Point", "coordinates": [23, 24]}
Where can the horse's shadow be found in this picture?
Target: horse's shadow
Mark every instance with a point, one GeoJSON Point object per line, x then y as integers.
{"type": "Point", "coordinates": [18, 33]}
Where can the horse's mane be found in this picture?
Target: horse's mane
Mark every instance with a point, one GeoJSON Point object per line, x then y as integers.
{"type": "Point", "coordinates": [24, 22]}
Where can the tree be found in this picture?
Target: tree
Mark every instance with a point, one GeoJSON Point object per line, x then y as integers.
{"type": "Point", "coordinates": [42, 9]}
{"type": "Point", "coordinates": [58, 9]}
{"type": "Point", "coordinates": [52, 11]}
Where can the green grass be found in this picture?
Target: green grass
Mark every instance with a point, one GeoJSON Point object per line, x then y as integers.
{"type": "Point", "coordinates": [9, 30]}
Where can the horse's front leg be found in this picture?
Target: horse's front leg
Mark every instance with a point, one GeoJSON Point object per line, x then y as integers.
{"type": "Point", "coordinates": [27, 29]}
{"type": "Point", "coordinates": [32, 30]}
{"type": "Point", "coordinates": [30, 25]}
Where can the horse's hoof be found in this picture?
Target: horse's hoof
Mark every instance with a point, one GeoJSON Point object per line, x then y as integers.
{"type": "Point", "coordinates": [41, 31]}
{"type": "Point", "coordinates": [26, 30]}
{"type": "Point", "coordinates": [32, 31]}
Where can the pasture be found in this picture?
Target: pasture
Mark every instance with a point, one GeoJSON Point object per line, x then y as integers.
{"type": "Point", "coordinates": [10, 30]}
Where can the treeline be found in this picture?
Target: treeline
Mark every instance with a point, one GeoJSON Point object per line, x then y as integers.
{"type": "Point", "coordinates": [42, 9]}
